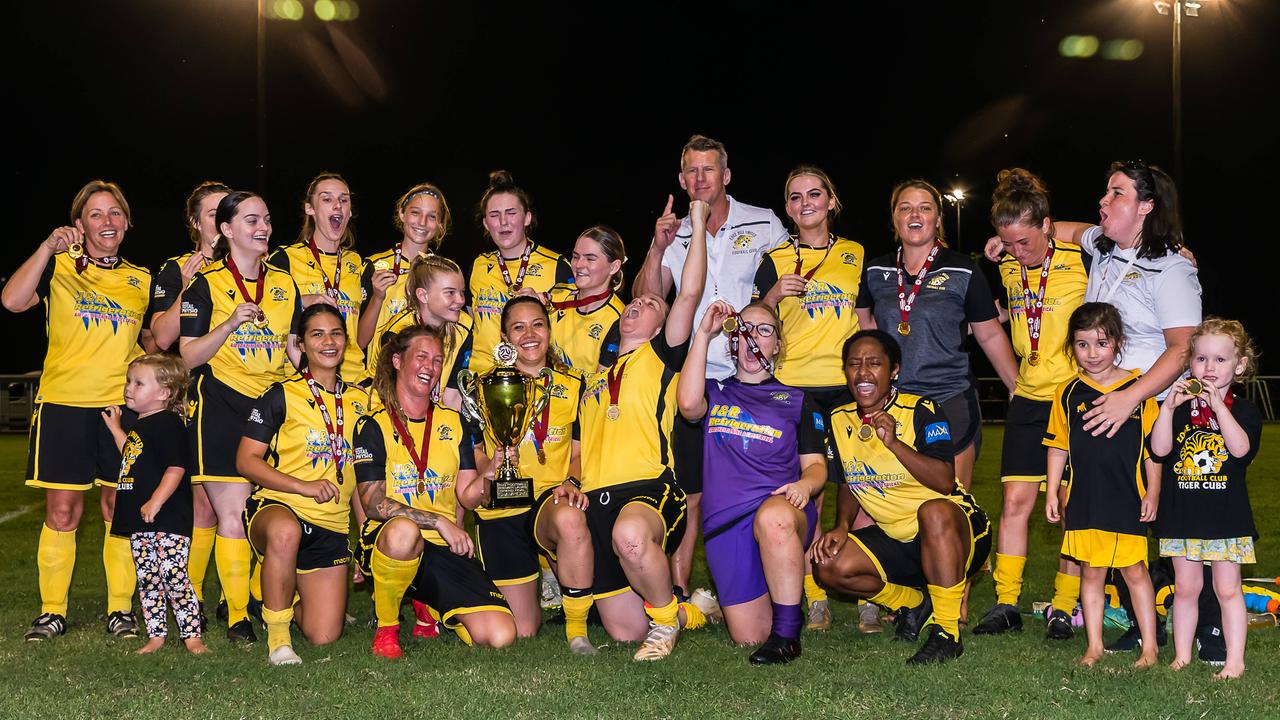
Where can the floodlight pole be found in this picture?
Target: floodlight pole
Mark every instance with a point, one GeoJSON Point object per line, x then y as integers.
{"type": "Point", "coordinates": [262, 97]}
{"type": "Point", "coordinates": [1177, 91]}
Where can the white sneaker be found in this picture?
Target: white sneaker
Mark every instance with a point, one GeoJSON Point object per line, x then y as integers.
{"type": "Point", "coordinates": [284, 655]}
{"type": "Point", "coordinates": [551, 597]}
{"type": "Point", "coordinates": [582, 646]}
{"type": "Point", "coordinates": [659, 643]}
{"type": "Point", "coordinates": [707, 603]}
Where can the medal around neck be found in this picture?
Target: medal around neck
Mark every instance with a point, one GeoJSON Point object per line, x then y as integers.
{"type": "Point", "coordinates": [505, 402]}
{"type": "Point", "coordinates": [1194, 388]}
{"type": "Point", "coordinates": [75, 251]}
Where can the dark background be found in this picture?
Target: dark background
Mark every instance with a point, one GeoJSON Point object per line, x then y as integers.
{"type": "Point", "coordinates": [589, 106]}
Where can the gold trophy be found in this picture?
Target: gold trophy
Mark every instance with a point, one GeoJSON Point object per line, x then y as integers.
{"type": "Point", "coordinates": [504, 402]}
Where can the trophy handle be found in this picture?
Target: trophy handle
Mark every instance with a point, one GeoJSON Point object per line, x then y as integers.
{"type": "Point", "coordinates": [542, 391]}
{"type": "Point", "coordinates": [467, 389]}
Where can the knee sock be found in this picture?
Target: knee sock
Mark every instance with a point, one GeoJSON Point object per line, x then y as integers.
{"type": "Point", "coordinates": [1066, 592]}
{"type": "Point", "coordinates": [693, 616]}
{"type": "Point", "coordinates": [577, 605]}
{"type": "Point", "coordinates": [56, 558]}
{"type": "Point", "coordinates": [812, 591]}
{"type": "Point", "coordinates": [786, 621]}
{"type": "Point", "coordinates": [391, 578]}
{"type": "Point", "coordinates": [277, 622]}
{"type": "Point", "coordinates": [1008, 578]}
{"type": "Point", "coordinates": [946, 607]}
{"type": "Point", "coordinates": [122, 577]}
{"type": "Point", "coordinates": [666, 615]}
{"type": "Point", "coordinates": [198, 561]}
{"type": "Point", "coordinates": [255, 582]}
{"type": "Point", "coordinates": [232, 556]}
{"type": "Point", "coordinates": [892, 597]}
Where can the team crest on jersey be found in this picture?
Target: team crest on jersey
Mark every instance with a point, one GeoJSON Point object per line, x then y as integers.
{"type": "Point", "coordinates": [1060, 266]}
{"type": "Point", "coordinates": [279, 294]}
{"type": "Point", "coordinates": [733, 421]}
{"type": "Point", "coordinates": [938, 282]}
{"type": "Point", "coordinates": [848, 258]}
{"type": "Point", "coordinates": [1132, 275]}
{"type": "Point", "coordinates": [444, 432]}
{"type": "Point", "coordinates": [533, 271]}
{"type": "Point", "coordinates": [863, 479]}
{"type": "Point", "coordinates": [741, 242]}
{"type": "Point", "coordinates": [358, 407]}
{"type": "Point", "coordinates": [1203, 453]}
{"type": "Point", "coordinates": [559, 391]}
{"type": "Point", "coordinates": [351, 268]}
{"type": "Point", "coordinates": [819, 297]}
{"type": "Point", "coordinates": [134, 282]}
{"type": "Point", "coordinates": [91, 307]}
{"type": "Point", "coordinates": [129, 453]}
{"type": "Point", "coordinates": [594, 331]}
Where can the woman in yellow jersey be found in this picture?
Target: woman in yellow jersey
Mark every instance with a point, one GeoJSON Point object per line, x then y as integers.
{"type": "Point", "coordinates": [812, 281]}
{"type": "Point", "coordinates": [438, 296]}
{"type": "Point", "coordinates": [636, 513]}
{"type": "Point", "coordinates": [297, 449]}
{"type": "Point", "coordinates": [95, 309]}
{"type": "Point", "coordinates": [322, 261]}
{"type": "Point", "coordinates": [548, 453]}
{"type": "Point", "coordinates": [584, 315]}
{"type": "Point", "coordinates": [415, 465]}
{"type": "Point", "coordinates": [166, 305]}
{"type": "Point", "coordinates": [238, 317]}
{"type": "Point", "coordinates": [423, 219]}
{"type": "Point", "coordinates": [517, 264]}
{"type": "Point", "coordinates": [897, 458]}
{"type": "Point", "coordinates": [1045, 282]}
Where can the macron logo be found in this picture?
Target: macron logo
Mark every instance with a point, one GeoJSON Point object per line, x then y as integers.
{"type": "Point", "coordinates": [935, 432]}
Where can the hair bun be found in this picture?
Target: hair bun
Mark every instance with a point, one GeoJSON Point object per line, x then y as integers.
{"type": "Point", "coordinates": [501, 178]}
{"type": "Point", "coordinates": [1013, 179]}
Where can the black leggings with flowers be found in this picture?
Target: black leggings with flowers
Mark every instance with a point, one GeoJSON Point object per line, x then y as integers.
{"type": "Point", "coordinates": [161, 561]}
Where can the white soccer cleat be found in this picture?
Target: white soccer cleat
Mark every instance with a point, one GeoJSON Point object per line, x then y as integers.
{"type": "Point", "coordinates": [707, 603]}
{"type": "Point", "coordinates": [582, 646]}
{"type": "Point", "coordinates": [284, 655]}
{"type": "Point", "coordinates": [659, 642]}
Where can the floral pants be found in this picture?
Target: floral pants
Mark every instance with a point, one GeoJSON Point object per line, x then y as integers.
{"type": "Point", "coordinates": [161, 560]}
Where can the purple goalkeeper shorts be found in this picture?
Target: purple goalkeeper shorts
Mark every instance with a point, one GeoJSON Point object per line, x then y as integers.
{"type": "Point", "coordinates": [733, 556]}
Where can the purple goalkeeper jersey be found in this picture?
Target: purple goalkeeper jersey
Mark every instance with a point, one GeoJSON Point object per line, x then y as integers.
{"type": "Point", "coordinates": [755, 434]}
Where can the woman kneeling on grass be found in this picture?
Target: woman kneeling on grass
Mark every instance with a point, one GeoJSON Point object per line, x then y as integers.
{"type": "Point", "coordinates": [896, 454]}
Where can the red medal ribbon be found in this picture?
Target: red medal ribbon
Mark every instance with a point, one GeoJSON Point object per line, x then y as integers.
{"type": "Point", "coordinates": [1033, 305]}
{"type": "Point", "coordinates": [542, 423]}
{"type": "Point", "coordinates": [524, 265]}
{"type": "Point", "coordinates": [577, 302]}
{"type": "Point", "coordinates": [1202, 415]}
{"type": "Point", "coordinates": [332, 289]}
{"type": "Point", "coordinates": [614, 377]}
{"type": "Point", "coordinates": [335, 436]}
{"type": "Point", "coordinates": [244, 291]}
{"type": "Point", "coordinates": [893, 395]}
{"type": "Point", "coordinates": [106, 263]}
{"type": "Point", "coordinates": [395, 267]}
{"type": "Point", "coordinates": [741, 332]}
{"type": "Point", "coordinates": [905, 301]}
{"type": "Point", "coordinates": [831, 241]}
{"type": "Point", "coordinates": [419, 462]}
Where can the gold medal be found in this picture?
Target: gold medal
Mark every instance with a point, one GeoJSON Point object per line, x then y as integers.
{"type": "Point", "coordinates": [260, 321]}
{"type": "Point", "coordinates": [904, 328]}
{"type": "Point", "coordinates": [1034, 358]}
{"type": "Point", "coordinates": [422, 487]}
{"type": "Point", "coordinates": [730, 325]}
{"type": "Point", "coordinates": [1194, 387]}
{"type": "Point", "coordinates": [865, 432]}
{"type": "Point", "coordinates": [382, 265]}
{"type": "Point", "coordinates": [75, 251]}
{"type": "Point", "coordinates": [613, 413]}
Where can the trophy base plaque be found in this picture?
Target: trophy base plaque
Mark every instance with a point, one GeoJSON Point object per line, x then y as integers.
{"type": "Point", "coordinates": [510, 493]}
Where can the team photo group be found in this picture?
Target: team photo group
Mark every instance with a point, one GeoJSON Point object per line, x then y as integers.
{"type": "Point", "coordinates": [472, 445]}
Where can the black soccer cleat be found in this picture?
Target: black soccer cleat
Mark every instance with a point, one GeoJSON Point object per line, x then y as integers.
{"type": "Point", "coordinates": [1212, 647]}
{"type": "Point", "coordinates": [938, 648]}
{"type": "Point", "coordinates": [1000, 619]}
{"type": "Point", "coordinates": [122, 624]}
{"type": "Point", "coordinates": [46, 627]}
{"type": "Point", "coordinates": [242, 632]}
{"type": "Point", "coordinates": [776, 651]}
{"type": "Point", "coordinates": [909, 621]}
{"type": "Point", "coordinates": [221, 611]}
{"type": "Point", "coordinates": [1059, 626]}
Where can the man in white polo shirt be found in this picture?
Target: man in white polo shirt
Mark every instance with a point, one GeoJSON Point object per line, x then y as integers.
{"type": "Point", "coordinates": [738, 236]}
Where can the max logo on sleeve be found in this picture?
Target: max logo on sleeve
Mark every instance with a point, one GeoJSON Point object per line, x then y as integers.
{"type": "Point", "coordinates": [935, 432]}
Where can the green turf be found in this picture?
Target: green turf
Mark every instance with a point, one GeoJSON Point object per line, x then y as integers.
{"type": "Point", "coordinates": [86, 674]}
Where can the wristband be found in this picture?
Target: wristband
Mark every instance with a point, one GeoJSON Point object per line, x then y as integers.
{"type": "Point", "coordinates": [574, 482]}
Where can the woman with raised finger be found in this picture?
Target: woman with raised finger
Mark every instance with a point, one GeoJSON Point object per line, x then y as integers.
{"type": "Point", "coordinates": [764, 446]}
{"type": "Point", "coordinates": [95, 312]}
{"type": "Point", "coordinates": [238, 319]}
{"type": "Point", "coordinates": [297, 450]}
{"type": "Point", "coordinates": [175, 276]}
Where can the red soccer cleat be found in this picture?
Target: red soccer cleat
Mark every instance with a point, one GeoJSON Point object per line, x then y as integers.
{"type": "Point", "coordinates": [426, 626]}
{"type": "Point", "coordinates": [386, 642]}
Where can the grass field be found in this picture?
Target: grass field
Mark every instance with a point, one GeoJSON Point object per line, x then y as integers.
{"type": "Point", "coordinates": [87, 674]}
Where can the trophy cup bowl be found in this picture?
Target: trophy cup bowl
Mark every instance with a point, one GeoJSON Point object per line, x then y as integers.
{"type": "Point", "coordinates": [504, 402]}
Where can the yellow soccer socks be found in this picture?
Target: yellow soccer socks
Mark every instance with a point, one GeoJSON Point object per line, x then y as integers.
{"type": "Point", "coordinates": [1008, 578]}
{"type": "Point", "coordinates": [391, 579]}
{"type": "Point", "coordinates": [277, 622]}
{"type": "Point", "coordinates": [813, 592]}
{"type": "Point", "coordinates": [666, 615]}
{"type": "Point", "coordinates": [122, 577]}
{"type": "Point", "coordinates": [892, 597]}
{"type": "Point", "coordinates": [946, 607]}
{"type": "Point", "coordinates": [233, 558]}
{"type": "Point", "coordinates": [56, 559]}
{"type": "Point", "coordinates": [198, 560]}
{"type": "Point", "coordinates": [1066, 592]}
{"type": "Point", "coordinates": [577, 605]}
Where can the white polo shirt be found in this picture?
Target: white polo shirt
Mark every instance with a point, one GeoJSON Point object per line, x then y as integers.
{"type": "Point", "coordinates": [733, 254]}
{"type": "Point", "coordinates": [1152, 295]}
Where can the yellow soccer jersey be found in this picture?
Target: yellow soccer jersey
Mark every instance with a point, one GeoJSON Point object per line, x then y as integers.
{"type": "Point", "coordinates": [93, 320]}
{"type": "Point", "coordinates": [252, 358]}
{"type": "Point", "coordinates": [884, 488]}
{"type": "Point", "coordinates": [816, 325]}
{"type": "Point", "coordinates": [394, 302]}
{"type": "Point", "coordinates": [380, 456]}
{"type": "Point", "coordinates": [636, 445]}
{"type": "Point", "coordinates": [581, 339]}
{"type": "Point", "coordinates": [298, 261]}
{"type": "Point", "coordinates": [288, 420]}
{"type": "Point", "coordinates": [457, 350]}
{"type": "Point", "coordinates": [489, 293]}
{"type": "Point", "coordinates": [561, 428]}
{"type": "Point", "coordinates": [1063, 293]}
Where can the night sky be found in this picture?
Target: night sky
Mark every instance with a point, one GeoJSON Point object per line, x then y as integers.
{"type": "Point", "coordinates": [589, 108]}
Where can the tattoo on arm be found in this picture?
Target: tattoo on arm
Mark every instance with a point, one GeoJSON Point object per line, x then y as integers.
{"type": "Point", "coordinates": [382, 508]}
